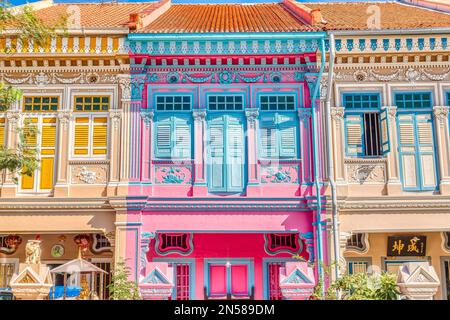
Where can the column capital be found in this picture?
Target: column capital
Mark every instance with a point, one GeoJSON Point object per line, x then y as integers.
{"type": "Point", "coordinates": [147, 116]}
{"type": "Point", "coordinates": [391, 110]}
{"type": "Point", "coordinates": [441, 113]}
{"type": "Point", "coordinates": [252, 115]}
{"type": "Point", "coordinates": [337, 113]}
{"type": "Point", "coordinates": [304, 114]}
{"type": "Point", "coordinates": [199, 114]}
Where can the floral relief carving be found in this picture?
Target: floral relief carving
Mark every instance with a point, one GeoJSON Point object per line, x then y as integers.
{"type": "Point", "coordinates": [357, 173]}
{"type": "Point", "coordinates": [173, 174]}
{"type": "Point", "coordinates": [89, 174]}
{"type": "Point", "coordinates": [279, 174]}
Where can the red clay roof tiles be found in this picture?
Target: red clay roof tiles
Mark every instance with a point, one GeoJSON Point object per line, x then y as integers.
{"type": "Point", "coordinates": [204, 18]}
{"type": "Point", "coordinates": [393, 15]}
{"type": "Point", "coordinates": [111, 15]}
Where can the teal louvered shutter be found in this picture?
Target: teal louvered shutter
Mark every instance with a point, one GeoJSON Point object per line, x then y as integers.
{"type": "Point", "coordinates": [384, 124]}
{"type": "Point", "coordinates": [163, 148]}
{"type": "Point", "coordinates": [182, 139]}
{"type": "Point", "coordinates": [426, 151]}
{"type": "Point", "coordinates": [354, 134]}
{"type": "Point", "coordinates": [216, 172]}
{"type": "Point", "coordinates": [268, 136]}
{"type": "Point", "coordinates": [287, 132]}
{"type": "Point", "coordinates": [235, 154]}
{"type": "Point", "coordinates": [407, 151]}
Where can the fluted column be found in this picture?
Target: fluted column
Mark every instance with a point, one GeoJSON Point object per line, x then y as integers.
{"type": "Point", "coordinates": [394, 185]}
{"type": "Point", "coordinates": [125, 86]}
{"type": "Point", "coordinates": [443, 152]}
{"type": "Point", "coordinates": [338, 141]}
{"type": "Point", "coordinates": [65, 118]}
{"type": "Point", "coordinates": [147, 146]}
{"type": "Point", "coordinates": [199, 141]}
{"type": "Point", "coordinates": [9, 188]}
{"type": "Point", "coordinates": [252, 152]}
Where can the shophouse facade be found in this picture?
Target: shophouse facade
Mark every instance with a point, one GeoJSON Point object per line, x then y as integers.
{"type": "Point", "coordinates": [76, 93]}
{"type": "Point", "coordinates": [390, 136]}
{"type": "Point", "coordinates": [223, 187]}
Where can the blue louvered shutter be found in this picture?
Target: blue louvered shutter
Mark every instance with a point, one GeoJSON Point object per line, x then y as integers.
{"type": "Point", "coordinates": [384, 124]}
{"type": "Point", "coordinates": [216, 172]}
{"type": "Point", "coordinates": [426, 149]}
{"type": "Point", "coordinates": [235, 154]}
{"type": "Point", "coordinates": [182, 137]}
{"type": "Point", "coordinates": [354, 134]}
{"type": "Point", "coordinates": [163, 133]}
{"type": "Point", "coordinates": [287, 132]}
{"type": "Point", "coordinates": [268, 136]}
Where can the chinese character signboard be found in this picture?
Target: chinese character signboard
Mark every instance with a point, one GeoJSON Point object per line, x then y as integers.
{"type": "Point", "coordinates": [406, 246]}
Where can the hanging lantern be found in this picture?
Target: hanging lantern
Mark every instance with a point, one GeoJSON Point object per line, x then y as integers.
{"type": "Point", "coordinates": [83, 241]}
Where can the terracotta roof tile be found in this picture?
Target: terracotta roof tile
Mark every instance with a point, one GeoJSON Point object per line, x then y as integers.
{"type": "Point", "coordinates": [205, 18]}
{"type": "Point", "coordinates": [111, 15]}
{"type": "Point", "coordinates": [394, 15]}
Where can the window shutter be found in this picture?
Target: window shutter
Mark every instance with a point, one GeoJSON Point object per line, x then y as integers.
{"type": "Point", "coordinates": [426, 150]}
{"type": "Point", "coordinates": [48, 145]}
{"type": "Point", "coordinates": [216, 158]}
{"type": "Point", "coordinates": [2, 132]}
{"type": "Point", "coordinates": [81, 143]}
{"type": "Point", "coordinates": [287, 142]}
{"type": "Point", "coordinates": [407, 152]}
{"type": "Point", "coordinates": [30, 134]}
{"type": "Point", "coordinates": [384, 121]}
{"type": "Point", "coordinates": [268, 136]}
{"type": "Point", "coordinates": [354, 133]}
{"type": "Point", "coordinates": [235, 148]}
{"type": "Point", "coordinates": [182, 143]}
{"type": "Point", "coordinates": [100, 136]}
{"type": "Point", "coordinates": [163, 138]}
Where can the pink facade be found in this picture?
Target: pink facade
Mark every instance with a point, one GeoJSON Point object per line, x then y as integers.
{"type": "Point", "coordinates": [223, 201]}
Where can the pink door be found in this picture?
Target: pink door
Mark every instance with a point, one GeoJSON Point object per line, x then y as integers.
{"type": "Point", "coordinates": [239, 280]}
{"type": "Point", "coordinates": [218, 280]}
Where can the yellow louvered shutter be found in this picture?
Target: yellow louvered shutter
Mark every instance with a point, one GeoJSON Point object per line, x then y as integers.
{"type": "Point", "coordinates": [100, 136]}
{"type": "Point", "coordinates": [81, 145]}
{"type": "Point", "coordinates": [48, 144]}
{"type": "Point", "coordinates": [2, 132]}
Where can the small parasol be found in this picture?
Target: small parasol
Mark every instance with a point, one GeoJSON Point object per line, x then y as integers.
{"type": "Point", "coordinates": [78, 265]}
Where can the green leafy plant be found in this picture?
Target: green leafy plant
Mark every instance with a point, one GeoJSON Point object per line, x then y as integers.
{"type": "Point", "coordinates": [121, 288]}
{"type": "Point", "coordinates": [359, 286]}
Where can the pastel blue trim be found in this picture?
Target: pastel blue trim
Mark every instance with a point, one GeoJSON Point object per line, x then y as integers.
{"type": "Point", "coordinates": [417, 153]}
{"type": "Point", "coordinates": [222, 261]}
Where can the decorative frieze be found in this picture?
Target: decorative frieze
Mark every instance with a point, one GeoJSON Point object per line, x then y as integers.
{"type": "Point", "coordinates": [365, 172]}
{"type": "Point", "coordinates": [46, 78]}
{"type": "Point", "coordinates": [89, 174]}
{"type": "Point", "coordinates": [408, 74]}
{"type": "Point", "coordinates": [173, 174]}
{"type": "Point", "coordinates": [281, 173]}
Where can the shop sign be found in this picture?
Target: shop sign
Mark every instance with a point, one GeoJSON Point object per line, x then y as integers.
{"type": "Point", "coordinates": [400, 246]}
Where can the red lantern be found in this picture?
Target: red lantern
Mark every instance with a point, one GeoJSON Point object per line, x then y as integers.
{"type": "Point", "coordinates": [13, 241]}
{"type": "Point", "coordinates": [82, 240]}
